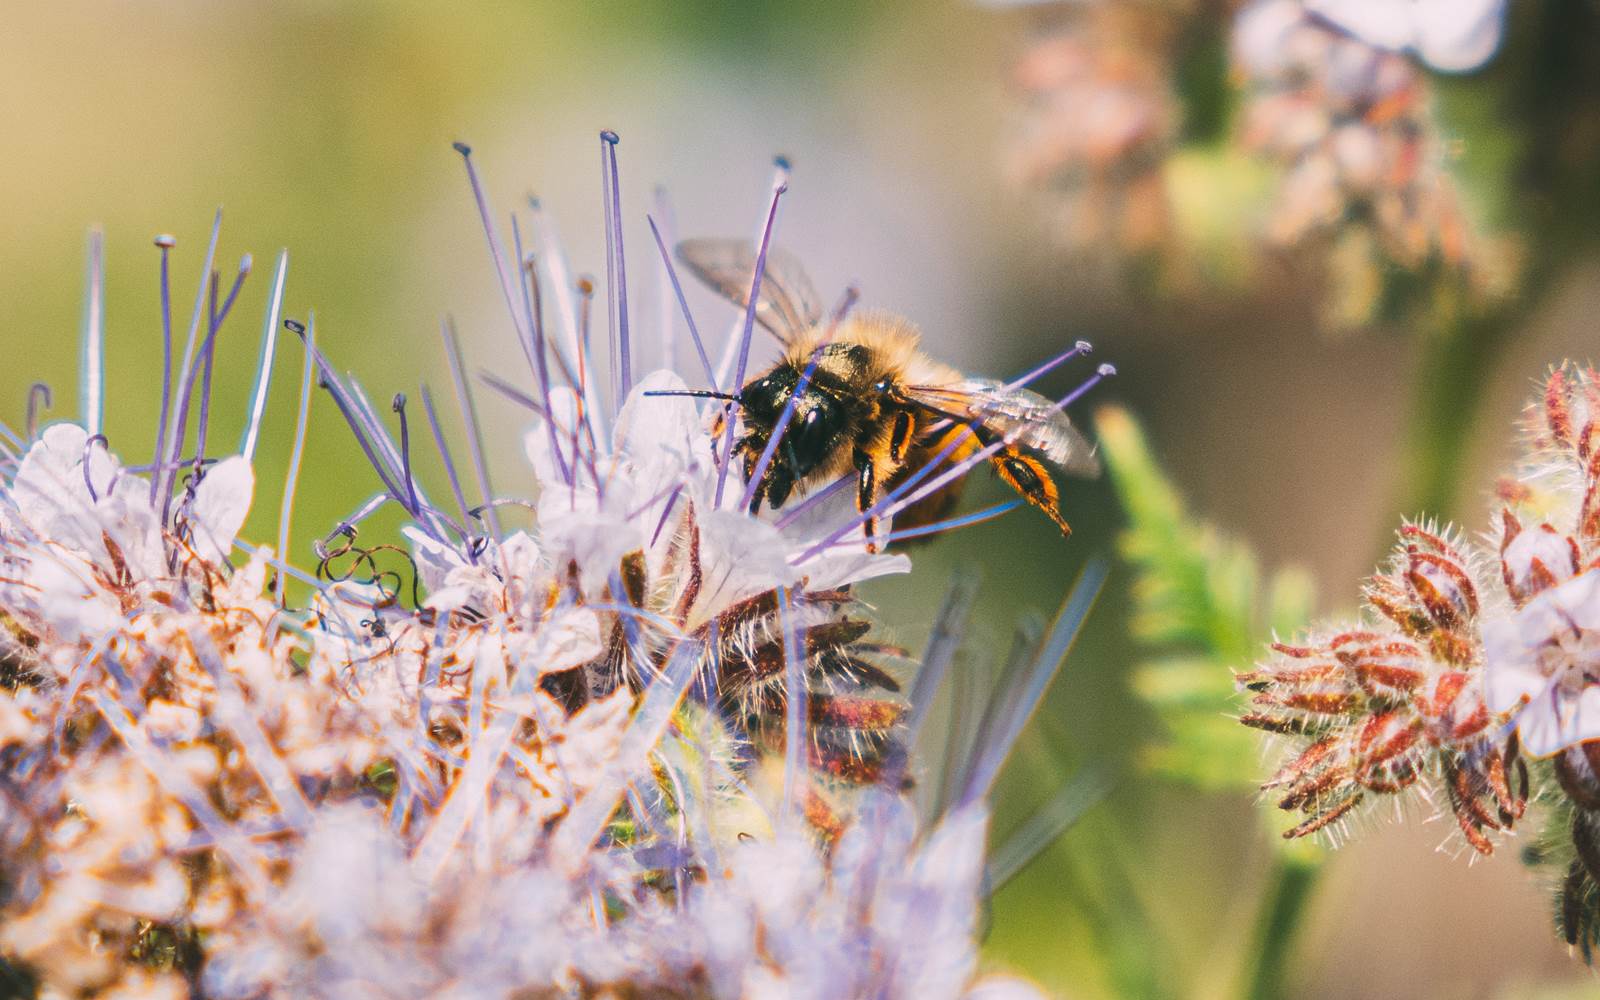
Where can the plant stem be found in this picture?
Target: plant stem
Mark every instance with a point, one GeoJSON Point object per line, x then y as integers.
{"type": "Point", "coordinates": [1292, 882]}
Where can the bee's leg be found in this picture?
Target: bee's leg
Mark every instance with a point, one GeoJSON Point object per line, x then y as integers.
{"type": "Point", "coordinates": [867, 494]}
{"type": "Point", "coordinates": [900, 435]}
{"type": "Point", "coordinates": [778, 484]}
{"type": "Point", "coordinates": [750, 447]}
{"type": "Point", "coordinates": [1027, 475]}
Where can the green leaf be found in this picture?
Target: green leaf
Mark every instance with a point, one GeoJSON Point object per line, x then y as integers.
{"type": "Point", "coordinates": [1200, 609]}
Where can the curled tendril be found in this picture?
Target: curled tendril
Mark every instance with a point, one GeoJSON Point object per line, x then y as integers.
{"type": "Point", "coordinates": [364, 569]}
{"type": "Point", "coordinates": [88, 447]}
{"type": "Point", "coordinates": [39, 398]}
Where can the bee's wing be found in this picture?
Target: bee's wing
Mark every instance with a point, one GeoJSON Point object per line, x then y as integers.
{"type": "Point", "coordinates": [1035, 420]}
{"type": "Point", "coordinates": [788, 304]}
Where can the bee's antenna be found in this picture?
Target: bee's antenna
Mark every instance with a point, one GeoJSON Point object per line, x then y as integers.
{"type": "Point", "coordinates": [697, 393]}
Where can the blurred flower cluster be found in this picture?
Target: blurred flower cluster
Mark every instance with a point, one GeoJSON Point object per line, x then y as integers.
{"type": "Point", "coordinates": [1127, 104]}
{"type": "Point", "coordinates": [554, 762]}
{"type": "Point", "coordinates": [1099, 123]}
{"type": "Point", "coordinates": [1469, 655]}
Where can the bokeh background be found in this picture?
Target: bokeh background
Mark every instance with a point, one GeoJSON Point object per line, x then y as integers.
{"type": "Point", "coordinates": [1303, 391]}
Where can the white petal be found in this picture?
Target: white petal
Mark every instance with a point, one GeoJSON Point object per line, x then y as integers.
{"type": "Point", "coordinates": [221, 503]}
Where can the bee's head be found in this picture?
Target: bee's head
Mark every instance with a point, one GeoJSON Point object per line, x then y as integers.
{"type": "Point", "coordinates": [818, 417]}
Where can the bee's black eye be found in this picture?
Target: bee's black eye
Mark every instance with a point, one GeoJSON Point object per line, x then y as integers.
{"type": "Point", "coordinates": [811, 433]}
{"type": "Point", "coordinates": [882, 385]}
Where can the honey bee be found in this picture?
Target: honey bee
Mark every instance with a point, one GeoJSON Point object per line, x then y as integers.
{"type": "Point", "coordinates": [875, 405]}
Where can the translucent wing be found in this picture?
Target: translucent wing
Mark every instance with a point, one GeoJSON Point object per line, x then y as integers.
{"type": "Point", "coordinates": [788, 304]}
{"type": "Point", "coordinates": [1033, 419]}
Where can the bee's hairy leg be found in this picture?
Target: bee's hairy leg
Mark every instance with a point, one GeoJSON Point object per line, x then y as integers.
{"type": "Point", "coordinates": [900, 435]}
{"type": "Point", "coordinates": [866, 494]}
{"type": "Point", "coordinates": [1028, 476]}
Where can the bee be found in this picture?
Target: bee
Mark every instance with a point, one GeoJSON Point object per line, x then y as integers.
{"type": "Point", "coordinates": [875, 405]}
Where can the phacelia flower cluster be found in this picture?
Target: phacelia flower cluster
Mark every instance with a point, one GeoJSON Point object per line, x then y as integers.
{"type": "Point", "coordinates": [1347, 118]}
{"type": "Point", "coordinates": [645, 745]}
{"type": "Point", "coordinates": [1472, 659]}
{"type": "Point", "coordinates": [1099, 122]}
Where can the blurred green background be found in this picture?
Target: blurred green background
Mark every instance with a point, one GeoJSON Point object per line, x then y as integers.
{"type": "Point", "coordinates": [325, 128]}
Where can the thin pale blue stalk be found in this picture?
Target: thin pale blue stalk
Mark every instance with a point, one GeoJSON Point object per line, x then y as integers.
{"type": "Point", "coordinates": [744, 338]}
{"type": "Point", "coordinates": [795, 777]}
{"type": "Point", "coordinates": [1019, 696]}
{"type": "Point", "coordinates": [577, 833]}
{"type": "Point", "coordinates": [782, 424]}
{"type": "Point", "coordinates": [444, 454]}
{"type": "Point", "coordinates": [665, 285]}
{"type": "Point", "coordinates": [469, 416]}
{"type": "Point", "coordinates": [780, 181]}
{"type": "Point", "coordinates": [616, 266]}
{"type": "Point", "coordinates": [533, 305]}
{"type": "Point", "coordinates": [683, 304]}
{"type": "Point", "coordinates": [1077, 350]}
{"type": "Point", "coordinates": [291, 478]}
{"type": "Point", "coordinates": [269, 343]}
{"type": "Point", "coordinates": [1082, 792]}
{"type": "Point", "coordinates": [92, 390]}
{"type": "Point", "coordinates": [553, 257]}
{"type": "Point", "coordinates": [949, 624]}
{"type": "Point", "coordinates": [167, 453]}
{"type": "Point", "coordinates": [165, 244]}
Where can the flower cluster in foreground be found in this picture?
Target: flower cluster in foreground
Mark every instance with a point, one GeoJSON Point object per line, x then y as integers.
{"type": "Point", "coordinates": [555, 762]}
{"type": "Point", "coordinates": [1471, 659]}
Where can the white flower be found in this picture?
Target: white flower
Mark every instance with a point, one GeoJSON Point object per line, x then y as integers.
{"type": "Point", "coordinates": [1542, 662]}
{"type": "Point", "coordinates": [1449, 35]}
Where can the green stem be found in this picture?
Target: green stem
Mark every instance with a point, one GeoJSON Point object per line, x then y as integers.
{"type": "Point", "coordinates": [1293, 879]}
{"type": "Point", "coordinates": [1451, 379]}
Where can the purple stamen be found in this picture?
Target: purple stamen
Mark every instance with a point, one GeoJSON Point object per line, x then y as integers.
{"type": "Point", "coordinates": [347, 407]}
{"type": "Point", "coordinates": [562, 288]}
{"type": "Point", "coordinates": [398, 405]}
{"type": "Point", "coordinates": [948, 524]}
{"type": "Point", "coordinates": [444, 453]}
{"type": "Point", "coordinates": [269, 343]}
{"type": "Point", "coordinates": [780, 179]}
{"type": "Point", "coordinates": [39, 396]}
{"type": "Point", "coordinates": [782, 424]}
{"type": "Point", "coordinates": [469, 416]}
{"type": "Point", "coordinates": [512, 393]}
{"type": "Point", "coordinates": [664, 286]}
{"type": "Point", "coordinates": [616, 266]}
{"type": "Point", "coordinates": [173, 444]}
{"type": "Point", "coordinates": [208, 353]}
{"type": "Point", "coordinates": [749, 329]}
{"type": "Point", "coordinates": [533, 305]}
{"type": "Point", "coordinates": [166, 243]}
{"type": "Point", "coordinates": [92, 401]}
{"type": "Point", "coordinates": [347, 527]}
{"type": "Point", "coordinates": [191, 370]}
{"type": "Point", "coordinates": [496, 252]}
{"type": "Point", "coordinates": [1081, 349]}
{"type": "Point", "coordinates": [297, 453]}
{"type": "Point", "coordinates": [666, 512]}
{"type": "Point", "coordinates": [683, 304]}
{"type": "Point", "coordinates": [584, 423]}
